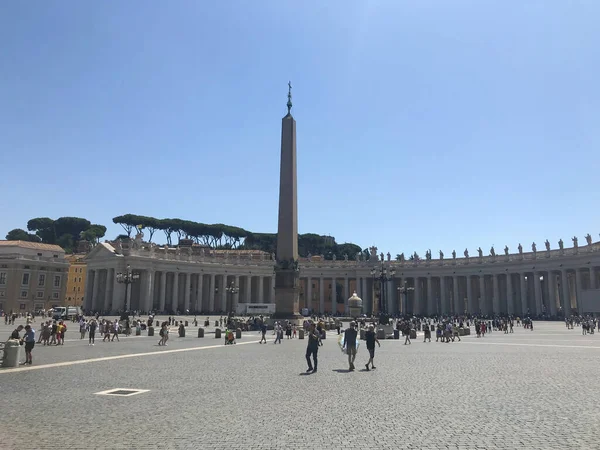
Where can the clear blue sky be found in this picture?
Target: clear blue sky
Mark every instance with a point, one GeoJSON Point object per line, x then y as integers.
{"type": "Point", "coordinates": [422, 124]}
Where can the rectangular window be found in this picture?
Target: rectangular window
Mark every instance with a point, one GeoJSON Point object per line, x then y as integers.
{"type": "Point", "coordinates": [22, 306]}
{"type": "Point", "coordinates": [80, 279]}
{"type": "Point", "coordinates": [40, 294]}
{"type": "Point", "coordinates": [55, 295]}
{"type": "Point", "coordinates": [79, 289]}
{"type": "Point", "coordinates": [25, 280]}
{"type": "Point", "coordinates": [23, 294]}
{"type": "Point", "coordinates": [41, 279]}
{"type": "Point", "coordinates": [2, 278]}
{"type": "Point", "coordinates": [57, 281]}
{"type": "Point", "coordinates": [39, 254]}
{"type": "Point", "coordinates": [73, 288]}
{"type": "Point", "coordinates": [2, 295]}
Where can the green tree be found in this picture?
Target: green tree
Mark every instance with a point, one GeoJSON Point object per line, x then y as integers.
{"type": "Point", "coordinates": [44, 228]}
{"type": "Point", "coordinates": [128, 222]}
{"type": "Point", "coordinates": [21, 235]}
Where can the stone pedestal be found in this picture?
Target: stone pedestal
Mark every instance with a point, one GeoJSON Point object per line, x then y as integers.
{"type": "Point", "coordinates": [287, 295]}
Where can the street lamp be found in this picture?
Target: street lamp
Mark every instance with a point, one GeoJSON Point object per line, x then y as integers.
{"type": "Point", "coordinates": [127, 278]}
{"type": "Point", "coordinates": [404, 292]}
{"type": "Point", "coordinates": [382, 275]}
{"type": "Point", "coordinates": [232, 289]}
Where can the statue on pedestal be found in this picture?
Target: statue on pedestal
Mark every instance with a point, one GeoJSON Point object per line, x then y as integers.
{"type": "Point", "coordinates": [358, 256]}
{"type": "Point", "coordinates": [334, 257]}
{"type": "Point", "coordinates": [547, 243]}
{"type": "Point", "coordinates": [119, 246]}
{"type": "Point", "coordinates": [381, 256]}
{"type": "Point", "coordinates": [416, 256]}
{"type": "Point", "coordinates": [480, 252]}
{"type": "Point", "coordinates": [402, 259]}
{"type": "Point", "coordinates": [389, 256]}
{"type": "Point", "coordinates": [273, 257]}
{"type": "Point", "coordinates": [506, 250]}
{"type": "Point", "coordinates": [492, 251]}
{"type": "Point", "coordinates": [466, 253]}
{"type": "Point", "coordinates": [428, 255]}
{"type": "Point", "coordinates": [373, 251]}
{"type": "Point", "coordinates": [575, 241]}
{"type": "Point", "coordinates": [520, 247]}
{"type": "Point", "coordinates": [453, 254]}
{"type": "Point", "coordinates": [561, 244]}
{"type": "Point", "coordinates": [441, 254]}
{"type": "Point", "coordinates": [533, 248]}
{"type": "Point", "coordinates": [345, 257]}
{"type": "Point", "coordinates": [588, 238]}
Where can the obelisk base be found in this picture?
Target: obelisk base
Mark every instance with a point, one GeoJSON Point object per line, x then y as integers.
{"type": "Point", "coordinates": [287, 294]}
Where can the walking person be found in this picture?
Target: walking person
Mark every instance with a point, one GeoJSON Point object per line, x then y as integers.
{"type": "Point", "coordinates": [263, 330]}
{"type": "Point", "coordinates": [350, 335]}
{"type": "Point", "coordinates": [115, 330]}
{"type": "Point", "coordinates": [92, 331]}
{"type": "Point", "coordinates": [371, 339]}
{"type": "Point", "coordinates": [29, 339]}
{"type": "Point", "coordinates": [312, 348]}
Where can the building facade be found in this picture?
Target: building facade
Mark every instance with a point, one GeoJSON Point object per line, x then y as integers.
{"type": "Point", "coordinates": [33, 276]}
{"type": "Point", "coordinates": [546, 282]}
{"type": "Point", "coordinates": [76, 280]}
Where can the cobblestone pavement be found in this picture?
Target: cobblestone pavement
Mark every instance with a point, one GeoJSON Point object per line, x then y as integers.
{"type": "Point", "coordinates": [527, 390]}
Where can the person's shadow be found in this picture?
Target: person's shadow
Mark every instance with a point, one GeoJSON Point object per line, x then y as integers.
{"type": "Point", "coordinates": [342, 370]}
{"type": "Point", "coordinates": [301, 374]}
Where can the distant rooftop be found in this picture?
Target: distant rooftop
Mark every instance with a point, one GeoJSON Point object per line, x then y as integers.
{"type": "Point", "coordinates": [32, 245]}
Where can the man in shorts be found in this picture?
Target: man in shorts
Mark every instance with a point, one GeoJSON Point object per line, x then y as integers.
{"type": "Point", "coordinates": [371, 339]}
{"type": "Point", "coordinates": [350, 335]}
{"type": "Point", "coordinates": [29, 340]}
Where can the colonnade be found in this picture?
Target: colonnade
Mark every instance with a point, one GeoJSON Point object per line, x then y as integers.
{"type": "Point", "coordinates": [176, 291]}
{"type": "Point", "coordinates": [534, 292]}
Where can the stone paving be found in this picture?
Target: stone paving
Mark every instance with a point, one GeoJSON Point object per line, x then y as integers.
{"type": "Point", "coordinates": [527, 390]}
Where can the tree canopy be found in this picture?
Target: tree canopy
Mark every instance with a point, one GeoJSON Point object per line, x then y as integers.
{"type": "Point", "coordinates": [223, 236]}
{"type": "Point", "coordinates": [64, 231]}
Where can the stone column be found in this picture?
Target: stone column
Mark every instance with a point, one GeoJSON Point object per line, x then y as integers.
{"type": "Point", "coordinates": [309, 293]}
{"type": "Point", "coordinates": [321, 295]}
{"type": "Point", "coordinates": [524, 302]}
{"type": "Point", "coordinates": [261, 289]}
{"type": "Point", "coordinates": [455, 295]}
{"type": "Point", "coordinates": [186, 296]}
{"type": "Point", "coordinates": [346, 295]}
{"type": "Point", "coordinates": [175, 299]}
{"type": "Point", "coordinates": [445, 308]}
{"type": "Point", "coordinates": [163, 290]}
{"type": "Point", "coordinates": [223, 292]}
{"type": "Point", "coordinates": [235, 297]}
{"type": "Point", "coordinates": [470, 299]}
{"type": "Point", "coordinates": [566, 297]}
{"type": "Point", "coordinates": [551, 293]}
{"type": "Point", "coordinates": [118, 298]}
{"type": "Point", "coordinates": [95, 286]}
{"type": "Point", "coordinates": [578, 287]}
{"type": "Point", "coordinates": [537, 287]}
{"type": "Point", "coordinates": [430, 308]}
{"type": "Point", "coordinates": [482, 305]}
{"type": "Point", "coordinates": [211, 294]}
{"type": "Point", "coordinates": [149, 294]}
{"type": "Point", "coordinates": [592, 278]}
{"type": "Point", "coordinates": [248, 289]}
{"type": "Point", "coordinates": [417, 307]}
{"type": "Point", "coordinates": [107, 289]}
{"type": "Point", "coordinates": [496, 299]}
{"type": "Point", "coordinates": [509, 294]}
{"type": "Point", "coordinates": [199, 295]}
{"type": "Point", "coordinates": [333, 296]}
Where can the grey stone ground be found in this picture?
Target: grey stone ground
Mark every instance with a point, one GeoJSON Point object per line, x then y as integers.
{"type": "Point", "coordinates": [528, 390]}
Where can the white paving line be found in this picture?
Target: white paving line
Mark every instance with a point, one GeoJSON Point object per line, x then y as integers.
{"type": "Point", "coordinates": [109, 358]}
{"type": "Point", "coordinates": [531, 345]}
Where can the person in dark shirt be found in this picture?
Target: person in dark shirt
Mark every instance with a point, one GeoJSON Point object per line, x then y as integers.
{"type": "Point", "coordinates": [312, 348]}
{"type": "Point", "coordinates": [15, 333]}
{"type": "Point", "coordinates": [350, 335]}
{"type": "Point", "coordinates": [263, 330]}
{"type": "Point", "coordinates": [371, 339]}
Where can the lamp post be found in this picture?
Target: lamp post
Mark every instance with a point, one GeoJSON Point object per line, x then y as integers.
{"type": "Point", "coordinates": [403, 291]}
{"type": "Point", "coordinates": [127, 278]}
{"type": "Point", "coordinates": [231, 290]}
{"type": "Point", "coordinates": [381, 274]}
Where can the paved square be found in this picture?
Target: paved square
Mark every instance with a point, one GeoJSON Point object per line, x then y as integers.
{"type": "Point", "coordinates": [527, 390]}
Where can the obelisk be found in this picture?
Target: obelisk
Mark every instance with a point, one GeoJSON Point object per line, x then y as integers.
{"type": "Point", "coordinates": [286, 267]}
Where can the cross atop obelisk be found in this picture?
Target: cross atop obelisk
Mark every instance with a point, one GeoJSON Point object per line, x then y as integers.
{"type": "Point", "coordinates": [286, 269]}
